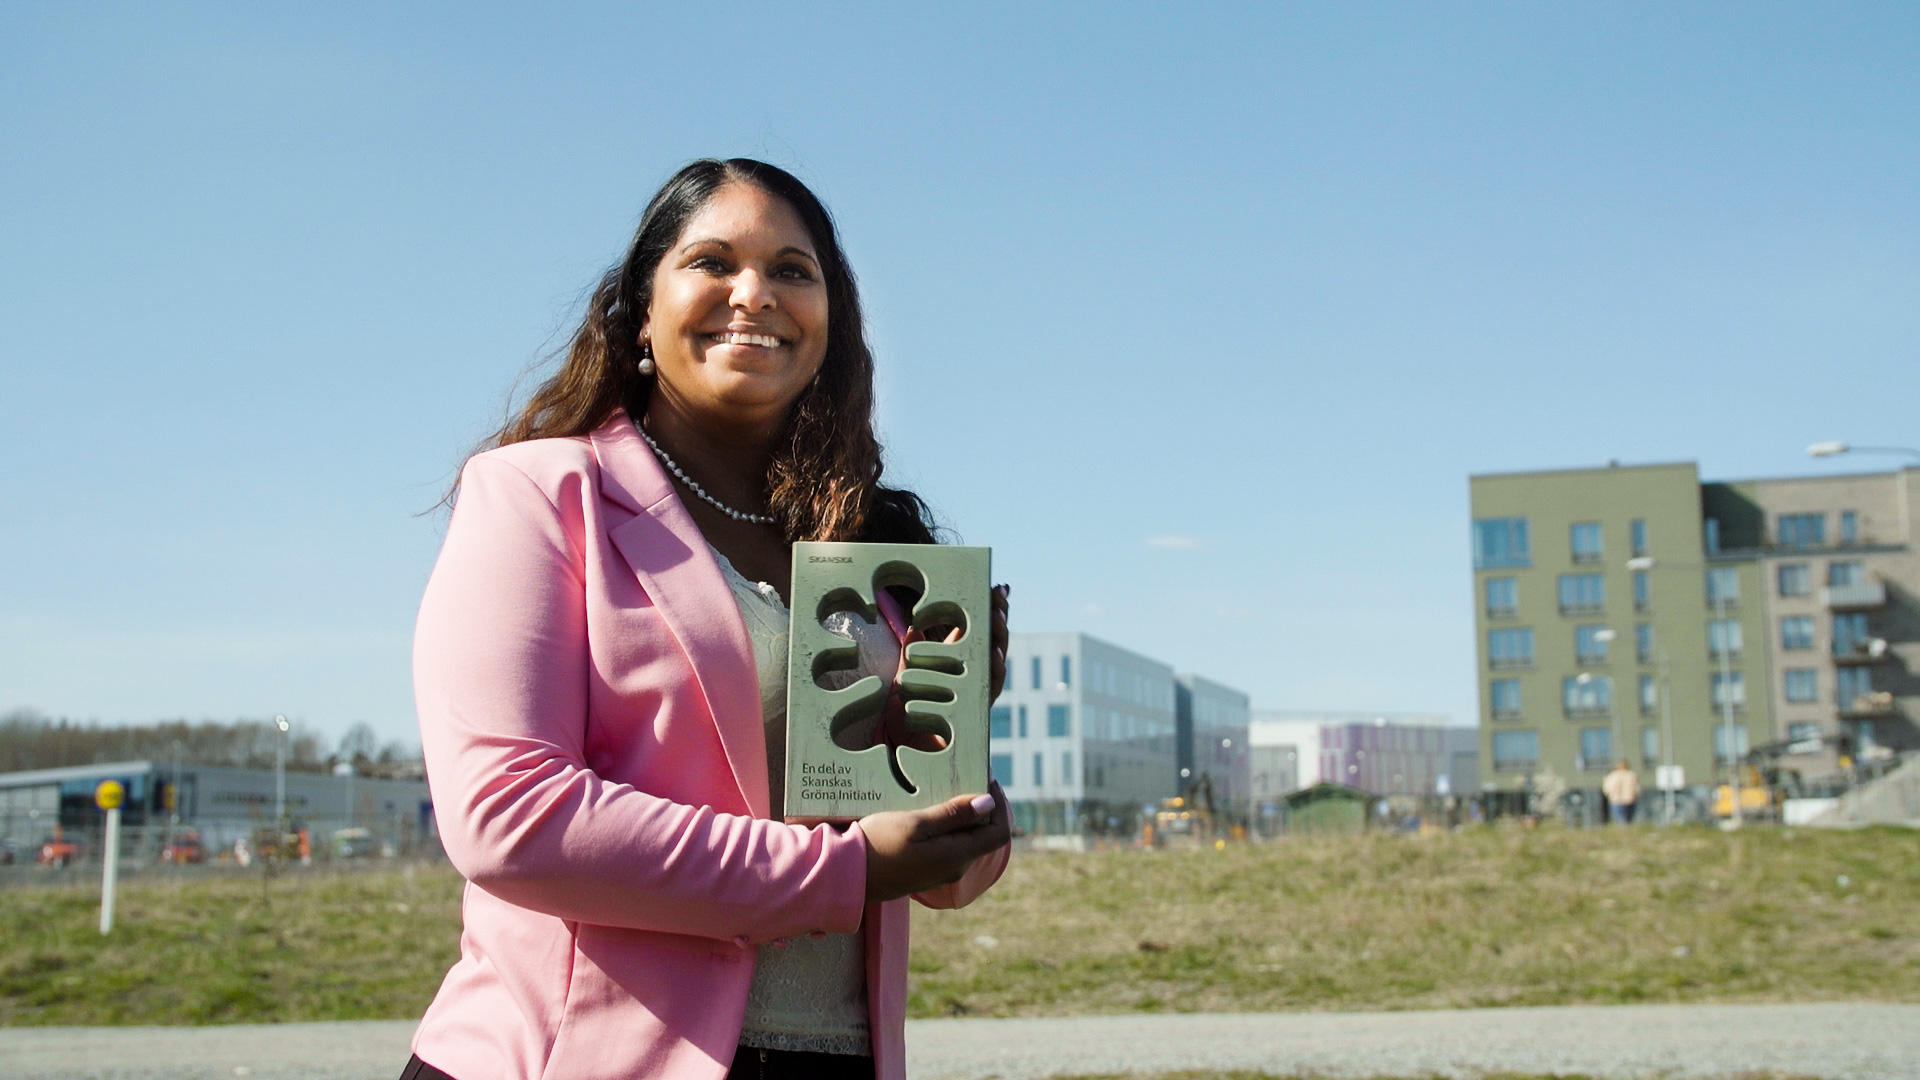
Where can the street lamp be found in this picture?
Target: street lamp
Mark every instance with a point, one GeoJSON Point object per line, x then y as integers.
{"type": "Point", "coordinates": [1833, 449]}
{"type": "Point", "coordinates": [1646, 562]}
{"type": "Point", "coordinates": [1605, 636]}
{"type": "Point", "coordinates": [280, 773]}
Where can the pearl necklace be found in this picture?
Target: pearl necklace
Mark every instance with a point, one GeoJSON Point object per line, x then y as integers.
{"type": "Point", "coordinates": [680, 474]}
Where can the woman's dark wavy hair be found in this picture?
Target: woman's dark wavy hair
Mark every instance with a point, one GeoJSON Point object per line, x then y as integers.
{"type": "Point", "coordinates": [824, 480]}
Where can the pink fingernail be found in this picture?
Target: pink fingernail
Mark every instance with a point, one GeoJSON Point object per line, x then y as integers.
{"type": "Point", "coordinates": [983, 805]}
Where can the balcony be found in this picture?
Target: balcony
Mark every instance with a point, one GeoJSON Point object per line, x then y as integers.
{"type": "Point", "coordinates": [1506, 714]}
{"type": "Point", "coordinates": [1859, 596]}
{"type": "Point", "coordinates": [1583, 609]}
{"type": "Point", "coordinates": [1509, 663]}
{"type": "Point", "coordinates": [1588, 712]}
{"type": "Point", "coordinates": [1876, 703]}
{"type": "Point", "coordinates": [1861, 652]}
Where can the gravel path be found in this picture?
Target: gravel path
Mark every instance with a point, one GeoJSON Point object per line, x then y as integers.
{"type": "Point", "coordinates": [1841, 1042]}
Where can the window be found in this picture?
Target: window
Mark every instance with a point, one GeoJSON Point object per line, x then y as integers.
{"type": "Point", "coordinates": [1796, 632]}
{"type": "Point", "coordinates": [1642, 591]}
{"type": "Point", "coordinates": [1584, 538]}
{"type": "Point", "coordinates": [1500, 542]}
{"type": "Point", "coordinates": [1036, 673]}
{"type": "Point", "coordinates": [1729, 689]}
{"type": "Point", "coordinates": [1849, 527]}
{"type": "Point", "coordinates": [1649, 695]}
{"type": "Point", "coordinates": [1720, 741]}
{"type": "Point", "coordinates": [1516, 750]}
{"type": "Point", "coordinates": [1066, 671]}
{"type": "Point", "coordinates": [1850, 685]}
{"type": "Point", "coordinates": [1804, 731]}
{"type": "Point", "coordinates": [1802, 684]}
{"type": "Point", "coordinates": [1503, 697]}
{"type": "Point", "coordinates": [1723, 586]}
{"type": "Point", "coordinates": [1844, 573]}
{"type": "Point", "coordinates": [1850, 635]}
{"type": "Point", "coordinates": [1649, 745]}
{"type": "Point", "coordinates": [1643, 648]}
{"type": "Point", "coordinates": [1001, 766]}
{"type": "Point", "coordinates": [1596, 747]}
{"type": "Point", "coordinates": [1723, 638]}
{"type": "Point", "coordinates": [1587, 695]}
{"type": "Point", "coordinates": [1066, 767]}
{"type": "Point", "coordinates": [1039, 769]}
{"type": "Point", "coordinates": [1510, 647]}
{"type": "Point", "coordinates": [1023, 721]}
{"type": "Point", "coordinates": [999, 723]}
{"type": "Point", "coordinates": [1795, 580]}
{"type": "Point", "coordinates": [1637, 536]}
{"type": "Point", "coordinates": [1800, 530]}
{"type": "Point", "coordinates": [1582, 594]}
{"type": "Point", "coordinates": [1057, 720]}
{"type": "Point", "coordinates": [1503, 596]}
{"type": "Point", "coordinates": [1713, 534]}
{"type": "Point", "coordinates": [1590, 644]}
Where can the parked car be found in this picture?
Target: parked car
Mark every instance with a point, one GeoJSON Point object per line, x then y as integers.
{"type": "Point", "coordinates": [353, 844]}
{"type": "Point", "coordinates": [184, 847]}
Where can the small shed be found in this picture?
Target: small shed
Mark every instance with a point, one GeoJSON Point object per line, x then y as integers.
{"type": "Point", "coordinates": [1328, 809]}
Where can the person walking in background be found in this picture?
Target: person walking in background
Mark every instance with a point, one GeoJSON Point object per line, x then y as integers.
{"type": "Point", "coordinates": [1622, 789]}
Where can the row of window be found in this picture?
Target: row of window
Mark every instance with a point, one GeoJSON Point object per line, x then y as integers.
{"type": "Point", "coordinates": [1586, 594]}
{"type": "Point", "coordinates": [1036, 667]}
{"type": "Point", "coordinates": [1004, 720]}
{"type": "Point", "coordinates": [1514, 751]}
{"type": "Point", "coordinates": [1810, 530]}
{"type": "Point", "coordinates": [1504, 542]}
{"type": "Point", "coordinates": [1851, 636]}
{"type": "Point", "coordinates": [1002, 768]}
{"type": "Point", "coordinates": [1796, 579]}
{"type": "Point", "coordinates": [1592, 695]}
{"type": "Point", "coordinates": [1512, 646]}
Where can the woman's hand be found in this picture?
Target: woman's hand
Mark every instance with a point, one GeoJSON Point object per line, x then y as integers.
{"type": "Point", "coordinates": [910, 851]}
{"type": "Point", "coordinates": [997, 642]}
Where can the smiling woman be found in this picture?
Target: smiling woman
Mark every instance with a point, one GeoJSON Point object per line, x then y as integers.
{"type": "Point", "coordinates": [600, 667]}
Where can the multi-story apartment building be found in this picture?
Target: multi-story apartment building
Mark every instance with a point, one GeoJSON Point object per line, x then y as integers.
{"type": "Point", "coordinates": [1385, 754]}
{"type": "Point", "coordinates": [1210, 725]}
{"type": "Point", "coordinates": [1083, 735]}
{"type": "Point", "coordinates": [1621, 611]}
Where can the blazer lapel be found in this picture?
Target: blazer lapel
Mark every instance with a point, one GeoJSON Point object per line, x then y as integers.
{"type": "Point", "coordinates": [675, 565]}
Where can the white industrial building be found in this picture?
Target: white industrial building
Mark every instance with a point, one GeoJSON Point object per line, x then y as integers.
{"type": "Point", "coordinates": [221, 803]}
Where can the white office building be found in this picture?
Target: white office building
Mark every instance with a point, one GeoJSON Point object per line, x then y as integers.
{"type": "Point", "coordinates": [1084, 735]}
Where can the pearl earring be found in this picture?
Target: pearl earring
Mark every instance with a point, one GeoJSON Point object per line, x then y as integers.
{"type": "Point", "coordinates": [646, 364]}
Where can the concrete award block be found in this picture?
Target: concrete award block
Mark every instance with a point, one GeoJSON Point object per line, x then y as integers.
{"type": "Point", "coordinates": [871, 727]}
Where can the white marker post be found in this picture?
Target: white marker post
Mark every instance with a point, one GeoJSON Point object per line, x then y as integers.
{"type": "Point", "coordinates": [108, 796]}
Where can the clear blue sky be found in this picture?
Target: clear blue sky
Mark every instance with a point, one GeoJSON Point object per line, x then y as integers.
{"type": "Point", "coordinates": [1200, 315]}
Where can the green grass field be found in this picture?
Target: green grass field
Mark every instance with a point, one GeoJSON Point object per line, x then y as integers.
{"type": "Point", "coordinates": [1479, 918]}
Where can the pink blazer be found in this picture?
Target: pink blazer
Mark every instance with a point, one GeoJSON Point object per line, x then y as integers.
{"type": "Point", "coordinates": [591, 720]}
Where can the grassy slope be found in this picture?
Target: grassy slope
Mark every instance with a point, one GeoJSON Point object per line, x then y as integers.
{"type": "Point", "coordinates": [1487, 917]}
{"type": "Point", "coordinates": [1480, 918]}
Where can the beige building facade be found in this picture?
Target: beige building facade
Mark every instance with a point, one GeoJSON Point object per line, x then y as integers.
{"type": "Point", "coordinates": [1621, 612]}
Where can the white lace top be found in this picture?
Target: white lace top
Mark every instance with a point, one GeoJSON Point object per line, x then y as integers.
{"type": "Point", "coordinates": [809, 993]}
